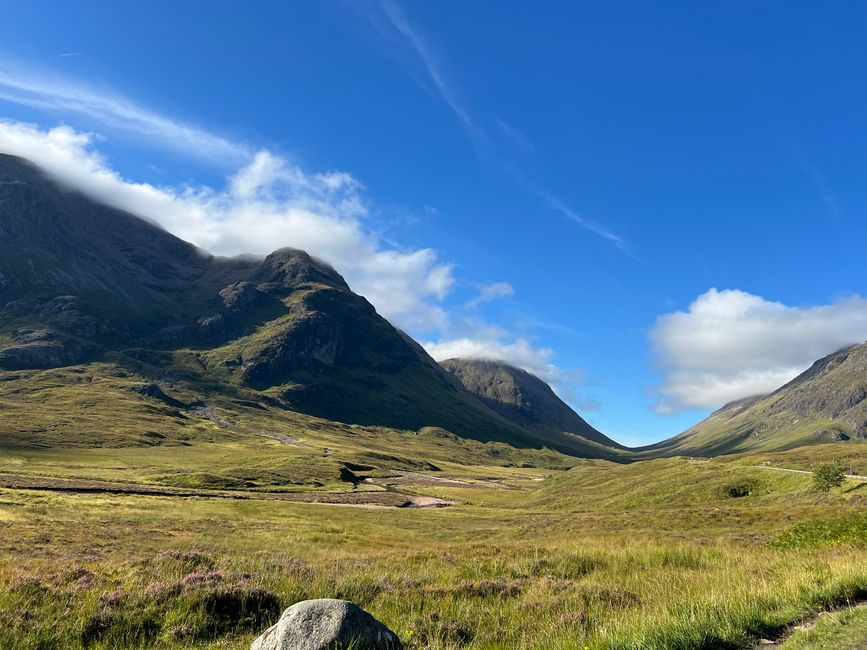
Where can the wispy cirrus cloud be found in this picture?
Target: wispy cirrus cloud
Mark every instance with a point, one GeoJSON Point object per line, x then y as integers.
{"type": "Point", "coordinates": [555, 204]}
{"type": "Point", "coordinates": [478, 133]}
{"type": "Point", "coordinates": [52, 93]}
{"type": "Point", "coordinates": [399, 21]}
{"type": "Point", "coordinates": [823, 189]}
{"type": "Point", "coordinates": [516, 136]}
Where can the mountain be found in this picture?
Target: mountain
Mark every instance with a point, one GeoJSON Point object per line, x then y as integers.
{"type": "Point", "coordinates": [524, 399]}
{"type": "Point", "coordinates": [84, 284]}
{"type": "Point", "coordinates": [826, 403]}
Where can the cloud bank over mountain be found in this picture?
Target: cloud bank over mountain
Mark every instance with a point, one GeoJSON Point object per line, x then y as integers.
{"type": "Point", "coordinates": [732, 344]}
{"type": "Point", "coordinates": [270, 202]}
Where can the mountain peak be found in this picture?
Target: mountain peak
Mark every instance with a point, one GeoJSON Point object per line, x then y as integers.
{"type": "Point", "coordinates": [291, 267]}
{"type": "Point", "coordinates": [522, 398]}
{"type": "Point", "coordinates": [81, 281]}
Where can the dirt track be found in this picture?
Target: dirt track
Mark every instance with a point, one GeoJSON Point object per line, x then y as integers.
{"type": "Point", "coordinates": [855, 477]}
{"type": "Point", "coordinates": [387, 499]}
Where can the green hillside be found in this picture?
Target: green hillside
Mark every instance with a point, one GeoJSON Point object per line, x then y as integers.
{"type": "Point", "coordinates": [825, 404]}
{"type": "Point", "coordinates": [103, 300]}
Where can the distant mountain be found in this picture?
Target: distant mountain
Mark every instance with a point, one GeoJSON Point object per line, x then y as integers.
{"type": "Point", "coordinates": [524, 399]}
{"type": "Point", "coordinates": [83, 283]}
{"type": "Point", "coordinates": [827, 403]}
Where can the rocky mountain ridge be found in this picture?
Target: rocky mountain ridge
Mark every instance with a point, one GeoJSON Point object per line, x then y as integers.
{"type": "Point", "coordinates": [83, 282]}
{"type": "Point", "coordinates": [522, 398]}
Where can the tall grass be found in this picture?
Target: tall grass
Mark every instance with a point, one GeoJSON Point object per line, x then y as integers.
{"type": "Point", "coordinates": [203, 586]}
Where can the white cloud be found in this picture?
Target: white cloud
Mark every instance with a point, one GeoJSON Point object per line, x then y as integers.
{"type": "Point", "coordinates": [518, 352]}
{"type": "Point", "coordinates": [489, 292]}
{"type": "Point", "coordinates": [731, 344]}
{"type": "Point", "coordinates": [267, 204]}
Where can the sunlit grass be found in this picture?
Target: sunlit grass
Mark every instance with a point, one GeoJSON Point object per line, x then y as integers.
{"type": "Point", "coordinates": [112, 571]}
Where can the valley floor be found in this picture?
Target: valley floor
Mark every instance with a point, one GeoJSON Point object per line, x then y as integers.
{"type": "Point", "coordinates": [95, 552]}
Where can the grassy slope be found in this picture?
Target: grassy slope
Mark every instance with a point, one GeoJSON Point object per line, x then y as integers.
{"type": "Point", "coordinates": [651, 555]}
{"type": "Point", "coordinates": [754, 430]}
{"type": "Point", "coordinates": [96, 409]}
{"type": "Point", "coordinates": [826, 403]}
{"type": "Point", "coordinates": [675, 482]}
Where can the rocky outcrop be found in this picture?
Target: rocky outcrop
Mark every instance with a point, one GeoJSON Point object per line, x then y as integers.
{"type": "Point", "coordinates": [239, 295]}
{"type": "Point", "coordinates": [33, 355]}
{"type": "Point", "coordinates": [309, 338]}
{"type": "Point", "coordinates": [290, 268]}
{"type": "Point", "coordinates": [324, 624]}
{"type": "Point", "coordinates": [153, 391]}
{"type": "Point", "coordinates": [41, 349]}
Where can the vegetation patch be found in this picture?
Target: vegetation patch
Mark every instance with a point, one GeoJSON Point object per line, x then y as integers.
{"type": "Point", "coordinates": [740, 489]}
{"type": "Point", "coordinates": [850, 530]}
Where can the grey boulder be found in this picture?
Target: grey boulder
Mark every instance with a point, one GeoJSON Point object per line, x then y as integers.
{"type": "Point", "coordinates": [325, 624]}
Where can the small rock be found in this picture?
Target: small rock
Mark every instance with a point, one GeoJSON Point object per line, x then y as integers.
{"type": "Point", "coordinates": [327, 623]}
{"type": "Point", "coordinates": [59, 304]}
{"type": "Point", "coordinates": [155, 392]}
{"type": "Point", "coordinates": [212, 325]}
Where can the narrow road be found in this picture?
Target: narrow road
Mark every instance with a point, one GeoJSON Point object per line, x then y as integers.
{"type": "Point", "coordinates": [856, 477]}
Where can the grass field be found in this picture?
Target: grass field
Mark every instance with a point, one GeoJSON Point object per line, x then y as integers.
{"type": "Point", "coordinates": [656, 554]}
{"type": "Point", "coordinates": [130, 521]}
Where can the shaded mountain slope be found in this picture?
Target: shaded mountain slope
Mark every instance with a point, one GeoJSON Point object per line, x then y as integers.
{"type": "Point", "coordinates": [81, 282]}
{"type": "Point", "coordinates": [826, 403]}
{"type": "Point", "coordinates": [524, 399]}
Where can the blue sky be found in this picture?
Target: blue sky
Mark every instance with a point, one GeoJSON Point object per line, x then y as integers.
{"type": "Point", "coordinates": [656, 206]}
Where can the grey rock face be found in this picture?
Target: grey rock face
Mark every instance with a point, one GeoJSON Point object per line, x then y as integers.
{"type": "Point", "coordinates": [27, 335]}
{"type": "Point", "coordinates": [239, 295]}
{"type": "Point", "coordinates": [33, 355]}
{"type": "Point", "coordinates": [42, 348]}
{"type": "Point", "coordinates": [289, 267]}
{"type": "Point", "coordinates": [522, 398]}
{"type": "Point", "coordinates": [311, 338]}
{"type": "Point", "coordinates": [19, 307]}
{"type": "Point", "coordinates": [324, 624]}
